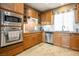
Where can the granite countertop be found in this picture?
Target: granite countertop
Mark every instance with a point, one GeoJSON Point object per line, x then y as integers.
{"type": "Point", "coordinates": [33, 32]}
{"type": "Point", "coordinates": [66, 32]}
{"type": "Point", "coordinates": [61, 31]}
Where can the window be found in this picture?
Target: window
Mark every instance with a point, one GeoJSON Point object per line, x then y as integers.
{"type": "Point", "coordinates": [64, 21]}
{"type": "Point", "coordinates": [58, 22]}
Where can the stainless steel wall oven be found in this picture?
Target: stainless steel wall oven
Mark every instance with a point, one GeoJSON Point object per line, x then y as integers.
{"type": "Point", "coordinates": [10, 28]}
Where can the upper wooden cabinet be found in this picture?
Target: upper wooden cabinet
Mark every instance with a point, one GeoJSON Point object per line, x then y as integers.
{"type": "Point", "coordinates": [16, 7]}
{"type": "Point", "coordinates": [19, 7]}
{"type": "Point", "coordinates": [9, 6]}
{"type": "Point", "coordinates": [31, 12]}
{"type": "Point", "coordinates": [77, 13]}
{"type": "Point", "coordinates": [47, 17]}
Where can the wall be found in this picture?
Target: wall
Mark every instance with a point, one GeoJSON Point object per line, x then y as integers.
{"type": "Point", "coordinates": [76, 26]}
{"type": "Point", "coordinates": [28, 27]}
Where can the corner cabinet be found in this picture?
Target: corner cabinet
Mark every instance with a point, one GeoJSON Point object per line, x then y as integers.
{"type": "Point", "coordinates": [31, 39]}
{"type": "Point", "coordinates": [31, 12]}
{"type": "Point", "coordinates": [15, 7]}
{"type": "Point", "coordinates": [47, 17]}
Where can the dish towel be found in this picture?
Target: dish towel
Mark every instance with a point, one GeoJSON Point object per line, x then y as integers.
{"type": "Point", "coordinates": [13, 35]}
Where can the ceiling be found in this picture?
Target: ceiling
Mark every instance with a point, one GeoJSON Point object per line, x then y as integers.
{"type": "Point", "coordinates": [45, 6]}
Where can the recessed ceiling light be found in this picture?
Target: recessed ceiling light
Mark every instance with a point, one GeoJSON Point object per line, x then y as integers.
{"type": "Point", "coordinates": [62, 3]}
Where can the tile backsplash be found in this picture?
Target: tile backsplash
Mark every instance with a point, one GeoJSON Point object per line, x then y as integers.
{"type": "Point", "coordinates": [76, 27]}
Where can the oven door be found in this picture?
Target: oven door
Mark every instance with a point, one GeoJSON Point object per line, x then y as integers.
{"type": "Point", "coordinates": [9, 37]}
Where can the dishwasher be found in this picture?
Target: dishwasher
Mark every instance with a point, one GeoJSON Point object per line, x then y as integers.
{"type": "Point", "coordinates": [49, 37]}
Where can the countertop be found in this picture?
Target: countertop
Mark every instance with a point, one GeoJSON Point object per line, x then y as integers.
{"type": "Point", "coordinates": [33, 32]}
{"type": "Point", "coordinates": [66, 32]}
{"type": "Point", "coordinates": [50, 32]}
{"type": "Point", "coordinates": [61, 31]}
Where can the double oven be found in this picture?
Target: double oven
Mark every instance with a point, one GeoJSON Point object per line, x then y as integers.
{"type": "Point", "coordinates": [10, 28]}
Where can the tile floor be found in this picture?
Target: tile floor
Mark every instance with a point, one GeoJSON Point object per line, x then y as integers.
{"type": "Point", "coordinates": [44, 49]}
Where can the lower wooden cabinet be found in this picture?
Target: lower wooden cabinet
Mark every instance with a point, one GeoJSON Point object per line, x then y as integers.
{"type": "Point", "coordinates": [74, 41]}
{"type": "Point", "coordinates": [27, 41]}
{"type": "Point", "coordinates": [57, 39]}
{"type": "Point", "coordinates": [32, 39]}
{"type": "Point", "coordinates": [11, 50]}
{"type": "Point", "coordinates": [66, 40]}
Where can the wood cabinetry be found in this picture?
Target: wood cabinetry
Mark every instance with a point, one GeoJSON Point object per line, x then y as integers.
{"type": "Point", "coordinates": [9, 6]}
{"type": "Point", "coordinates": [15, 7]}
{"type": "Point", "coordinates": [31, 12]}
{"type": "Point", "coordinates": [57, 38]}
{"type": "Point", "coordinates": [47, 17]}
{"type": "Point", "coordinates": [77, 13]}
{"type": "Point", "coordinates": [19, 7]}
{"type": "Point", "coordinates": [62, 39]}
{"type": "Point", "coordinates": [32, 39]}
{"type": "Point", "coordinates": [74, 41]}
{"type": "Point", "coordinates": [11, 50]}
{"type": "Point", "coordinates": [66, 40]}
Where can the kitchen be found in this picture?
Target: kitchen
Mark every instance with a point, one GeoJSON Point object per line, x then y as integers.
{"type": "Point", "coordinates": [25, 25]}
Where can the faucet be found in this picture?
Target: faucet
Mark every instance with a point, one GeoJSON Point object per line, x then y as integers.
{"type": "Point", "coordinates": [63, 28]}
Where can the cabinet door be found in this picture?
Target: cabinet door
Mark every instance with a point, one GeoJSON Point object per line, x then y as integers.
{"type": "Point", "coordinates": [77, 13]}
{"type": "Point", "coordinates": [34, 40]}
{"type": "Point", "coordinates": [39, 37]}
{"type": "Point", "coordinates": [36, 14]}
{"type": "Point", "coordinates": [43, 18]}
{"type": "Point", "coordinates": [48, 17]}
{"type": "Point", "coordinates": [9, 6]}
{"type": "Point", "coordinates": [19, 7]}
{"type": "Point", "coordinates": [74, 41]}
{"type": "Point", "coordinates": [27, 41]}
{"type": "Point", "coordinates": [57, 39]}
{"type": "Point", "coordinates": [28, 12]}
{"type": "Point", "coordinates": [31, 12]}
{"type": "Point", "coordinates": [66, 40]}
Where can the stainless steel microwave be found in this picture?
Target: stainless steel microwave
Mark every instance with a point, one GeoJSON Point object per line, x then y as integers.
{"type": "Point", "coordinates": [10, 18]}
